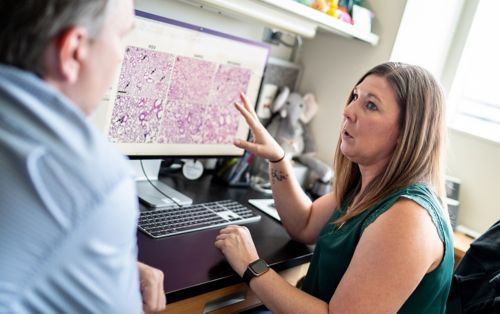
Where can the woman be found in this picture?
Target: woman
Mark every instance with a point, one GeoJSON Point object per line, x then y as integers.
{"type": "Point", "coordinates": [383, 242]}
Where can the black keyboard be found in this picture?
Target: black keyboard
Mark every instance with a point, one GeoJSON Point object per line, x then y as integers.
{"type": "Point", "coordinates": [171, 221]}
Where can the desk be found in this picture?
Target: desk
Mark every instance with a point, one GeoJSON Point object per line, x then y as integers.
{"type": "Point", "coordinates": [196, 272]}
{"type": "Point", "coordinates": [461, 245]}
{"type": "Point", "coordinates": [197, 277]}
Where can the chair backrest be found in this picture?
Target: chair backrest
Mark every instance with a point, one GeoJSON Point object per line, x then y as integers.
{"type": "Point", "coordinates": [475, 286]}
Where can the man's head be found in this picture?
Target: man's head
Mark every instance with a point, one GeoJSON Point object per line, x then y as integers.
{"type": "Point", "coordinates": [75, 45]}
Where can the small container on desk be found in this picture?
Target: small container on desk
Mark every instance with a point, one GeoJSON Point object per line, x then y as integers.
{"type": "Point", "coordinates": [235, 171]}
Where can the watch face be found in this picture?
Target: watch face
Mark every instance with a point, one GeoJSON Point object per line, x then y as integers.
{"type": "Point", "coordinates": [259, 266]}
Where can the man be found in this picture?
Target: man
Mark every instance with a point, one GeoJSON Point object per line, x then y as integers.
{"type": "Point", "coordinates": [68, 214]}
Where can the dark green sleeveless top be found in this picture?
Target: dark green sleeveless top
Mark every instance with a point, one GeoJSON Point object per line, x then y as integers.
{"type": "Point", "coordinates": [335, 248]}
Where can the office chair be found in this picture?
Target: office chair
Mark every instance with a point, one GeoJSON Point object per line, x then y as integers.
{"type": "Point", "coordinates": [475, 285]}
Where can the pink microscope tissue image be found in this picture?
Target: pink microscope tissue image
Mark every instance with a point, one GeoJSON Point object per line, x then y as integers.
{"type": "Point", "coordinates": [163, 98]}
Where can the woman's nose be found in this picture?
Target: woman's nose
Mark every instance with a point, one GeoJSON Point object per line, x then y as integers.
{"type": "Point", "coordinates": [348, 112]}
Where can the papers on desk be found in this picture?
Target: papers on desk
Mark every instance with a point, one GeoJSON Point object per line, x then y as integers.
{"type": "Point", "coordinates": [267, 206]}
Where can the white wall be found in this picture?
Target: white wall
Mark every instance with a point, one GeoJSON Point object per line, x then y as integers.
{"type": "Point", "coordinates": [333, 64]}
{"type": "Point", "coordinates": [473, 160]}
{"type": "Point", "coordinates": [206, 17]}
{"type": "Point", "coordinates": [476, 162]}
{"type": "Point", "coordinates": [425, 41]}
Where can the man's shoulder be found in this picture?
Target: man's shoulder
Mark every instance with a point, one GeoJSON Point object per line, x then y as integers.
{"type": "Point", "coordinates": [52, 152]}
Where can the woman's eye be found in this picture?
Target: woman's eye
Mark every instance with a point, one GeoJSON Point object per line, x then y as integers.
{"type": "Point", "coordinates": [371, 106]}
{"type": "Point", "coordinates": [354, 96]}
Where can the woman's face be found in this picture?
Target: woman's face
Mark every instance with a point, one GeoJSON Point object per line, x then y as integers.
{"type": "Point", "coordinates": [371, 123]}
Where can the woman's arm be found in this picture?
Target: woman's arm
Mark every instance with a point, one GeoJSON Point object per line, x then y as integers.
{"type": "Point", "coordinates": [281, 297]}
{"type": "Point", "coordinates": [302, 218]}
{"type": "Point", "coordinates": [277, 294]}
{"type": "Point", "coordinates": [391, 258]}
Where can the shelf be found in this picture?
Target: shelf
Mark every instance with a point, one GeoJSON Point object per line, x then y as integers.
{"type": "Point", "coordinates": [286, 15]}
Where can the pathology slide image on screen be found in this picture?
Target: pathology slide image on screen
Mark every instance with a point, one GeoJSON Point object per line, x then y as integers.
{"type": "Point", "coordinates": [177, 85]}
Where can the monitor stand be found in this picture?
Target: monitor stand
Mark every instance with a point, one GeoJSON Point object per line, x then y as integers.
{"type": "Point", "coordinates": [152, 192]}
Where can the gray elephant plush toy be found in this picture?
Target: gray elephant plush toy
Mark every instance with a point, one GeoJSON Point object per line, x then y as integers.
{"type": "Point", "coordinates": [291, 114]}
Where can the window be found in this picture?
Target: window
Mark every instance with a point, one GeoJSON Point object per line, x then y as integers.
{"type": "Point", "coordinates": [475, 93]}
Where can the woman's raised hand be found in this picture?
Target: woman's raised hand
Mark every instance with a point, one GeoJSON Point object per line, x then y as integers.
{"type": "Point", "coordinates": [263, 145]}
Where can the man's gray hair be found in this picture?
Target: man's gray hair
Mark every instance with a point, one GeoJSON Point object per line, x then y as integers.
{"type": "Point", "coordinates": [27, 27]}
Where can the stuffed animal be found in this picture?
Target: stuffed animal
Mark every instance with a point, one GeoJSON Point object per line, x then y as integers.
{"type": "Point", "coordinates": [291, 114]}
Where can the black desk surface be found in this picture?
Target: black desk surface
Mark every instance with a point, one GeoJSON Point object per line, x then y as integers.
{"type": "Point", "coordinates": [191, 263]}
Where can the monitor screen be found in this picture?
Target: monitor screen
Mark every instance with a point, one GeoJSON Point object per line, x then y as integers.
{"type": "Point", "coordinates": [174, 93]}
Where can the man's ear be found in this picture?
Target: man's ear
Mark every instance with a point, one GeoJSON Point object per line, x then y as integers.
{"type": "Point", "coordinates": [71, 48]}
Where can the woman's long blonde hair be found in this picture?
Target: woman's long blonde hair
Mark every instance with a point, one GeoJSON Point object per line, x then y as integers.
{"type": "Point", "coordinates": [417, 157]}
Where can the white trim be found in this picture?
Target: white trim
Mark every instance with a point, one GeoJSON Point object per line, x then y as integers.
{"type": "Point", "coordinates": [287, 15]}
{"type": "Point", "coordinates": [471, 134]}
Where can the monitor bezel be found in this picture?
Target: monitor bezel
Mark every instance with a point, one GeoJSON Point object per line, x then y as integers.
{"type": "Point", "coordinates": [163, 19]}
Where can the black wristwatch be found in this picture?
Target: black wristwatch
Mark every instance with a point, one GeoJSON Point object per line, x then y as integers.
{"type": "Point", "coordinates": [255, 269]}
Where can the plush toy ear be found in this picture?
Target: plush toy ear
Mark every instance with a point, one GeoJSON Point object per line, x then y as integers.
{"type": "Point", "coordinates": [311, 107]}
{"type": "Point", "coordinates": [281, 99]}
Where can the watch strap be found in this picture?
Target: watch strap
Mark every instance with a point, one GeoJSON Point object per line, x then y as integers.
{"type": "Point", "coordinates": [248, 275]}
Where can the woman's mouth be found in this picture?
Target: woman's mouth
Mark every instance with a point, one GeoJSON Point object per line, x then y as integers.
{"type": "Point", "coordinates": [346, 134]}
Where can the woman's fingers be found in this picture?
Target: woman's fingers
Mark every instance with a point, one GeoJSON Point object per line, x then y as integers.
{"type": "Point", "coordinates": [242, 143]}
{"type": "Point", "coordinates": [255, 148]}
{"type": "Point", "coordinates": [228, 229]}
{"type": "Point", "coordinates": [263, 144]}
{"type": "Point", "coordinates": [247, 106]}
{"type": "Point", "coordinates": [257, 128]}
{"type": "Point", "coordinates": [252, 121]}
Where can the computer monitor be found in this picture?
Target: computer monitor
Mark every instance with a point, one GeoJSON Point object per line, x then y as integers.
{"type": "Point", "coordinates": [174, 95]}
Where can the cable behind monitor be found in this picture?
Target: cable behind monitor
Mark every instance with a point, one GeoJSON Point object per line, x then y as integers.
{"type": "Point", "coordinates": [156, 188]}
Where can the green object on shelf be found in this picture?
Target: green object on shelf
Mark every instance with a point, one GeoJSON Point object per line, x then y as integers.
{"type": "Point", "coordinates": [348, 4]}
{"type": "Point", "coordinates": [305, 2]}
